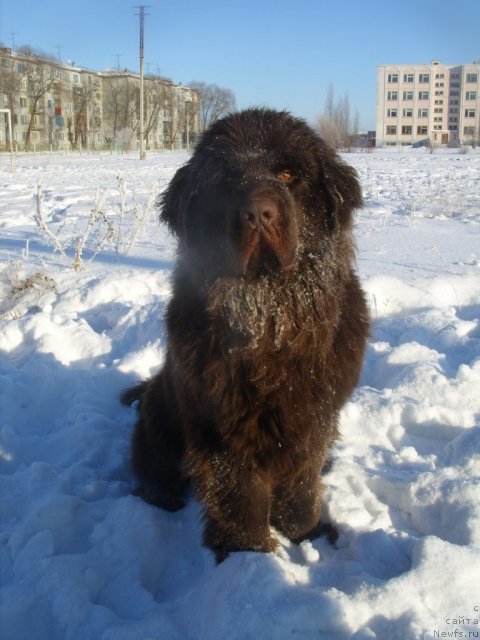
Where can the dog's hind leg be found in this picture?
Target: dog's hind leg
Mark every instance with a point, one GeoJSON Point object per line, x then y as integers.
{"type": "Point", "coordinates": [158, 448]}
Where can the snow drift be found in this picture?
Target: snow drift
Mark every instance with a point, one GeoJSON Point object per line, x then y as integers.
{"type": "Point", "coordinates": [83, 559]}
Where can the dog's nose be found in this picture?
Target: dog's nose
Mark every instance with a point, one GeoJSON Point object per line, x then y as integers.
{"type": "Point", "coordinates": [260, 212]}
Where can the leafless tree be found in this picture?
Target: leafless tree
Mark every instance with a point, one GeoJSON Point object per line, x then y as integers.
{"type": "Point", "coordinates": [187, 114]}
{"type": "Point", "coordinates": [158, 98]}
{"type": "Point", "coordinates": [85, 119]}
{"type": "Point", "coordinates": [40, 76]}
{"type": "Point", "coordinates": [356, 126]}
{"type": "Point", "coordinates": [215, 102]}
{"type": "Point", "coordinates": [121, 100]}
{"type": "Point", "coordinates": [336, 125]}
{"type": "Point", "coordinates": [182, 114]}
{"type": "Point", "coordinates": [10, 87]}
{"type": "Point", "coordinates": [330, 103]}
{"type": "Point", "coordinates": [34, 73]}
{"type": "Point", "coordinates": [35, 53]}
{"type": "Point", "coordinates": [191, 113]}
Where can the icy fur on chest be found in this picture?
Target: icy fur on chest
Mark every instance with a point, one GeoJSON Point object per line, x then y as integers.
{"type": "Point", "coordinates": [271, 311]}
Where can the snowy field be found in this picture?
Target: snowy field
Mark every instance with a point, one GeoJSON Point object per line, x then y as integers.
{"type": "Point", "coordinates": [82, 559]}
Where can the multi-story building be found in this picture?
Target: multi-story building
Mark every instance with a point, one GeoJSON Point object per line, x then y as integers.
{"type": "Point", "coordinates": [438, 103]}
{"type": "Point", "coordinates": [60, 106]}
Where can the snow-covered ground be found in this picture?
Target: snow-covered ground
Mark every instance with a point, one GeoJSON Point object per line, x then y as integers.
{"type": "Point", "coordinates": [83, 559]}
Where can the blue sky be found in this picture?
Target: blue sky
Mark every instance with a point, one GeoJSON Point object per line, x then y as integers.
{"type": "Point", "coordinates": [276, 53]}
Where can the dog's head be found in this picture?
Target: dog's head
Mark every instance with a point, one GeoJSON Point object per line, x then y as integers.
{"type": "Point", "coordinates": [260, 188]}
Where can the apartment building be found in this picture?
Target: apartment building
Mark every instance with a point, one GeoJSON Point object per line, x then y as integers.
{"type": "Point", "coordinates": [63, 106]}
{"type": "Point", "coordinates": [438, 103]}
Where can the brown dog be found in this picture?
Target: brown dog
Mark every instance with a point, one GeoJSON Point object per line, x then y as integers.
{"type": "Point", "coordinates": [267, 327]}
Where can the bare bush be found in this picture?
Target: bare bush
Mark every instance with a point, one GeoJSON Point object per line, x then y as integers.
{"type": "Point", "coordinates": [97, 226]}
{"type": "Point", "coordinates": [22, 292]}
{"type": "Point", "coordinates": [137, 215]}
{"type": "Point", "coordinates": [118, 225]}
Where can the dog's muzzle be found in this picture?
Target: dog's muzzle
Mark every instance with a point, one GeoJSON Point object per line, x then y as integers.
{"type": "Point", "coordinates": [269, 234]}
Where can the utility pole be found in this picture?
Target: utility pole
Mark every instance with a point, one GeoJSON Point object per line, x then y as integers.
{"type": "Point", "coordinates": [142, 20]}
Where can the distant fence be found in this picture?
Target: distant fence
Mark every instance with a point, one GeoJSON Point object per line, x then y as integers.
{"type": "Point", "coordinates": [99, 148]}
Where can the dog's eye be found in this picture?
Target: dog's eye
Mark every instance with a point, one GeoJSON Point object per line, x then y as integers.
{"type": "Point", "coordinates": [286, 176]}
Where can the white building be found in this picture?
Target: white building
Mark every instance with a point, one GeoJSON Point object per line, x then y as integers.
{"type": "Point", "coordinates": [436, 102]}
{"type": "Point", "coordinates": [60, 106]}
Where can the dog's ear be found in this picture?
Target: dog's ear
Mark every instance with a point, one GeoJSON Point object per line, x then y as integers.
{"type": "Point", "coordinates": [173, 201]}
{"type": "Point", "coordinates": [340, 186]}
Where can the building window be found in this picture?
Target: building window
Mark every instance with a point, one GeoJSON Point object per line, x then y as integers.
{"type": "Point", "coordinates": [392, 78]}
{"type": "Point", "coordinates": [408, 95]}
{"type": "Point", "coordinates": [472, 77]}
{"type": "Point", "coordinates": [438, 110]}
{"type": "Point", "coordinates": [469, 113]}
{"type": "Point", "coordinates": [471, 95]}
{"type": "Point", "coordinates": [391, 113]}
{"type": "Point", "coordinates": [422, 130]}
{"type": "Point", "coordinates": [423, 113]}
{"type": "Point", "coordinates": [455, 92]}
{"type": "Point", "coordinates": [424, 77]}
{"type": "Point", "coordinates": [438, 101]}
{"type": "Point", "coordinates": [392, 130]}
{"type": "Point", "coordinates": [408, 113]}
{"type": "Point", "coordinates": [439, 93]}
{"type": "Point", "coordinates": [438, 76]}
{"type": "Point", "coordinates": [423, 95]}
{"type": "Point", "coordinates": [392, 95]}
{"type": "Point", "coordinates": [407, 130]}
{"type": "Point", "coordinates": [408, 77]}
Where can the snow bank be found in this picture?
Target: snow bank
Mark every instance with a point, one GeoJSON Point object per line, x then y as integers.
{"type": "Point", "coordinates": [83, 559]}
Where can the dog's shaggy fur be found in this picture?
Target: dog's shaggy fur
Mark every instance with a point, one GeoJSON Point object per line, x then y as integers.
{"type": "Point", "coordinates": [266, 329]}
